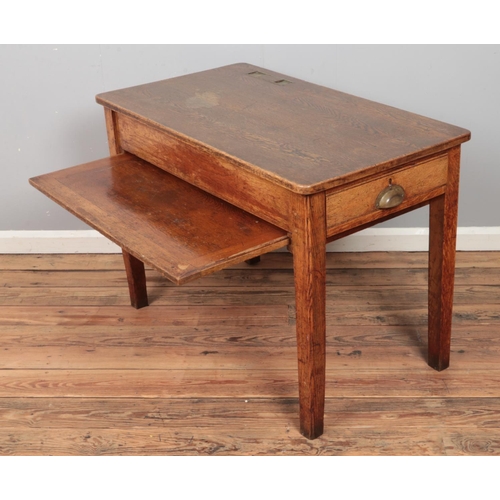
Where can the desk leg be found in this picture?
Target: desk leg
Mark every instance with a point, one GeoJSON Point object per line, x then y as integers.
{"type": "Point", "coordinates": [442, 242]}
{"type": "Point", "coordinates": [136, 277]}
{"type": "Point", "coordinates": [309, 262]}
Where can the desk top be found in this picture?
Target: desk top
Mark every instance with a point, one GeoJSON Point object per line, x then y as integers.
{"type": "Point", "coordinates": [302, 135]}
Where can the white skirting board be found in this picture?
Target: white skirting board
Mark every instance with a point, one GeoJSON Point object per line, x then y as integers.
{"type": "Point", "coordinates": [370, 240]}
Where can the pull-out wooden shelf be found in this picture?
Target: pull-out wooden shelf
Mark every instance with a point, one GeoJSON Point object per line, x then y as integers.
{"type": "Point", "coordinates": [161, 220]}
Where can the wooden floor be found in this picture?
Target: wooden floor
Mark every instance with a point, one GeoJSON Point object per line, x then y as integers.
{"type": "Point", "coordinates": [210, 368]}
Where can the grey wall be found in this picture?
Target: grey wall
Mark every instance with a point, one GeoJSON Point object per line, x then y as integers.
{"type": "Point", "coordinates": [49, 119]}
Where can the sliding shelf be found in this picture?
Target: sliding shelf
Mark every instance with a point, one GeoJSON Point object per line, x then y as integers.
{"type": "Point", "coordinates": [173, 226]}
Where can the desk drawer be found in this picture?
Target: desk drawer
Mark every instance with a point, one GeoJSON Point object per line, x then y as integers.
{"type": "Point", "coordinates": [356, 203]}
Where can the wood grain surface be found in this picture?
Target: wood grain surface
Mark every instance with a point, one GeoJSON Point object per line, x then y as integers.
{"type": "Point", "coordinates": [210, 369]}
{"type": "Point", "coordinates": [354, 204]}
{"type": "Point", "coordinates": [443, 216]}
{"type": "Point", "coordinates": [302, 136]}
{"type": "Point", "coordinates": [159, 219]}
{"type": "Point", "coordinates": [136, 278]}
{"type": "Point", "coordinates": [309, 267]}
{"type": "Point", "coordinates": [211, 172]}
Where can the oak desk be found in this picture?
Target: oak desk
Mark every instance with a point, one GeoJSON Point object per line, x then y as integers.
{"type": "Point", "coordinates": [220, 166]}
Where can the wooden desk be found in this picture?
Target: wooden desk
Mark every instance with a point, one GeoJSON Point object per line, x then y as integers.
{"type": "Point", "coordinates": [248, 148]}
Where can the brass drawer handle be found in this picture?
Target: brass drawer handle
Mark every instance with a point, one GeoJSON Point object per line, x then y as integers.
{"type": "Point", "coordinates": [390, 197]}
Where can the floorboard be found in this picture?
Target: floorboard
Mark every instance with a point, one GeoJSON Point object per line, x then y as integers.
{"type": "Point", "coordinates": [210, 367]}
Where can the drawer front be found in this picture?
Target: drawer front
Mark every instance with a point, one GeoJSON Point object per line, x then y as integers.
{"type": "Point", "coordinates": [357, 203]}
